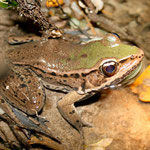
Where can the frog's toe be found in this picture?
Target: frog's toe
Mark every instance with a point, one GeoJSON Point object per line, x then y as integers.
{"type": "Point", "coordinates": [41, 119]}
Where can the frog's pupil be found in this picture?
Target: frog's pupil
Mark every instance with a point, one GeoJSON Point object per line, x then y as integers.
{"type": "Point", "coordinates": [110, 68]}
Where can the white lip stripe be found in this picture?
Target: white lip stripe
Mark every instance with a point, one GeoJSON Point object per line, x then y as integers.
{"type": "Point", "coordinates": [127, 66]}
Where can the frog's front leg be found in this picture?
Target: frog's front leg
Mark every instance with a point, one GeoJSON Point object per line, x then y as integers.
{"type": "Point", "coordinates": [68, 110]}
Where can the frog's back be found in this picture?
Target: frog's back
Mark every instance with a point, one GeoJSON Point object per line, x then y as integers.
{"type": "Point", "coordinates": [54, 53]}
{"type": "Point", "coordinates": [60, 55]}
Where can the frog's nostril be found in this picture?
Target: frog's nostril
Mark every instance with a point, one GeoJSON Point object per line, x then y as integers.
{"type": "Point", "coordinates": [132, 57]}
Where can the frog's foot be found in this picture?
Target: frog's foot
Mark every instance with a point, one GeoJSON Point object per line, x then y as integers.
{"type": "Point", "coordinates": [69, 112]}
{"type": "Point", "coordinates": [39, 118]}
{"type": "Point", "coordinates": [42, 120]}
{"type": "Point", "coordinates": [33, 124]}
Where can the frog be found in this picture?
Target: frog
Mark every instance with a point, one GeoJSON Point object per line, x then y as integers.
{"type": "Point", "coordinates": [78, 70]}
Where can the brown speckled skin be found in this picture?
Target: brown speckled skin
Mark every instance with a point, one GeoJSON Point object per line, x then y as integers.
{"type": "Point", "coordinates": [22, 89]}
{"type": "Point", "coordinates": [60, 65]}
{"type": "Point", "coordinates": [55, 62]}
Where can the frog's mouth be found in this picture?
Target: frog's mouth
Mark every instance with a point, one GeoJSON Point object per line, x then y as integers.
{"type": "Point", "coordinates": [131, 77]}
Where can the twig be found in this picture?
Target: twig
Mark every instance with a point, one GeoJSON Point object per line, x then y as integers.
{"type": "Point", "coordinates": [32, 10]}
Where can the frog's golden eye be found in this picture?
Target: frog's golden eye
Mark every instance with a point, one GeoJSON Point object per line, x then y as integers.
{"type": "Point", "coordinates": [109, 68]}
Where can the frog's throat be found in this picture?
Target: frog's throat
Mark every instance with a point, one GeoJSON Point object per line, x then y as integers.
{"type": "Point", "coordinates": [124, 72]}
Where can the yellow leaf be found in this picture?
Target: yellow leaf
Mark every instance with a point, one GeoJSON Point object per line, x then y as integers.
{"type": "Point", "coordinates": [142, 85]}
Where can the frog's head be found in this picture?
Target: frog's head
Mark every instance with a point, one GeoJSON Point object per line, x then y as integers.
{"type": "Point", "coordinates": [118, 63]}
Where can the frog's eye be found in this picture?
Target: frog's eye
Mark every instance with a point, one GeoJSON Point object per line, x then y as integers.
{"type": "Point", "coordinates": [109, 68]}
